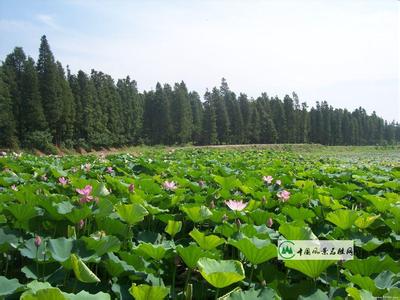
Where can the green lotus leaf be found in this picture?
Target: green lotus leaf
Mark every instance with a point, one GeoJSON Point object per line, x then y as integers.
{"type": "Point", "coordinates": [81, 271]}
{"type": "Point", "coordinates": [115, 267]}
{"type": "Point", "coordinates": [206, 242]}
{"type": "Point", "coordinates": [264, 293]}
{"type": "Point", "coordinates": [296, 232]}
{"type": "Point", "coordinates": [255, 250]}
{"type": "Point", "coordinates": [298, 213]}
{"type": "Point", "coordinates": [100, 190]}
{"type": "Point", "coordinates": [83, 295]}
{"type": "Point", "coordinates": [228, 183]}
{"type": "Point", "coordinates": [156, 252]}
{"type": "Point", "coordinates": [30, 250]}
{"type": "Point", "coordinates": [63, 207]}
{"type": "Point", "coordinates": [367, 242]}
{"type": "Point", "coordinates": [380, 203]}
{"type": "Point", "coordinates": [226, 229]}
{"type": "Point", "coordinates": [311, 268]}
{"type": "Point", "coordinates": [58, 172]}
{"type": "Point", "coordinates": [221, 273]}
{"type": "Point", "coordinates": [317, 295]}
{"type": "Point", "coordinates": [387, 280]}
{"type": "Point", "coordinates": [359, 294]}
{"type": "Point", "coordinates": [365, 220]}
{"type": "Point", "coordinates": [363, 282]}
{"type": "Point", "coordinates": [154, 210]}
{"type": "Point", "coordinates": [147, 292]}
{"type": "Point", "coordinates": [103, 244]}
{"type": "Point", "coordinates": [112, 226]}
{"type": "Point", "coordinates": [23, 212]}
{"type": "Point", "coordinates": [131, 213]}
{"type": "Point", "coordinates": [8, 239]}
{"type": "Point", "coordinates": [393, 293]}
{"type": "Point", "coordinates": [343, 218]}
{"type": "Point", "coordinates": [35, 286]}
{"type": "Point", "coordinates": [78, 214]}
{"type": "Point", "coordinates": [192, 253]}
{"type": "Point", "coordinates": [9, 286]}
{"type": "Point", "coordinates": [61, 248]}
{"type": "Point", "coordinates": [260, 216]}
{"type": "Point", "coordinates": [173, 227]}
{"type": "Point", "coordinates": [44, 294]}
{"type": "Point", "coordinates": [196, 213]}
{"type": "Point", "coordinates": [371, 265]}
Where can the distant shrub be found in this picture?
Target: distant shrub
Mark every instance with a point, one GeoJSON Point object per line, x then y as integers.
{"type": "Point", "coordinates": [41, 140]}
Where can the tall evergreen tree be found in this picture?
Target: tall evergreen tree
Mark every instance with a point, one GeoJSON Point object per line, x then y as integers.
{"type": "Point", "coordinates": [181, 114]}
{"type": "Point", "coordinates": [197, 115]}
{"type": "Point", "coordinates": [50, 90]}
{"type": "Point", "coordinates": [31, 105]}
{"type": "Point", "coordinates": [8, 132]}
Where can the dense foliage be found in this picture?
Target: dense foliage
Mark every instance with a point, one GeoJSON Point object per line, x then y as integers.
{"type": "Point", "coordinates": [41, 106]}
{"type": "Point", "coordinates": [191, 224]}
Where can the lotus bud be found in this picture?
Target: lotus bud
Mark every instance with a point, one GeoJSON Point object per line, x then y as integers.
{"type": "Point", "coordinates": [38, 241]}
{"type": "Point", "coordinates": [212, 204]}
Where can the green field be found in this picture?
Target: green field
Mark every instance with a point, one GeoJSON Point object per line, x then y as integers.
{"type": "Point", "coordinates": [199, 223]}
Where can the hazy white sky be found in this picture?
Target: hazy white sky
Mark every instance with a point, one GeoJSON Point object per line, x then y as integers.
{"type": "Point", "coordinates": [344, 52]}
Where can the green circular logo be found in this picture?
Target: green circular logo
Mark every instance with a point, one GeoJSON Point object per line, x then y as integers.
{"type": "Point", "coordinates": [285, 249]}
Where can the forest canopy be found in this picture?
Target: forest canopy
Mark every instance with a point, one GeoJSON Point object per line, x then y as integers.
{"type": "Point", "coordinates": [42, 105]}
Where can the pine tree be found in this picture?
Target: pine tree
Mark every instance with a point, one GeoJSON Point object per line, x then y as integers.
{"type": "Point", "coordinates": [210, 135]}
{"type": "Point", "coordinates": [67, 120]}
{"type": "Point", "coordinates": [197, 115]}
{"type": "Point", "coordinates": [8, 132]}
{"type": "Point", "coordinates": [50, 90]}
{"type": "Point", "coordinates": [13, 69]}
{"type": "Point", "coordinates": [181, 114]}
{"type": "Point", "coordinates": [222, 119]}
{"type": "Point", "coordinates": [31, 105]}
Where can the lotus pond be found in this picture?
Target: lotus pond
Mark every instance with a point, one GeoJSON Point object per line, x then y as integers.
{"type": "Point", "coordinates": [197, 224]}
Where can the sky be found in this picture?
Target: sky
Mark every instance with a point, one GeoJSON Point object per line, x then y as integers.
{"type": "Point", "coordinates": [344, 52]}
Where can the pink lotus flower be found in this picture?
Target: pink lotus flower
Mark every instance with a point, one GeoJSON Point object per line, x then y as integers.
{"type": "Point", "coordinates": [63, 181]}
{"type": "Point", "coordinates": [85, 192]}
{"type": "Point", "coordinates": [14, 187]}
{"type": "Point", "coordinates": [109, 170]}
{"type": "Point", "coordinates": [270, 222]}
{"type": "Point", "coordinates": [81, 224]}
{"type": "Point", "coordinates": [236, 205]}
{"type": "Point", "coordinates": [278, 182]}
{"type": "Point", "coordinates": [170, 185]}
{"type": "Point", "coordinates": [268, 179]}
{"type": "Point", "coordinates": [283, 195]}
{"type": "Point", "coordinates": [131, 188]}
{"type": "Point", "coordinates": [38, 241]}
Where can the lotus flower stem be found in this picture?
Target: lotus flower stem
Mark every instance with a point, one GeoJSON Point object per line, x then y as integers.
{"type": "Point", "coordinates": [216, 294]}
{"type": "Point", "coordinates": [173, 282]}
{"type": "Point", "coordinates": [251, 273]}
{"type": "Point", "coordinates": [189, 272]}
{"type": "Point", "coordinates": [37, 263]}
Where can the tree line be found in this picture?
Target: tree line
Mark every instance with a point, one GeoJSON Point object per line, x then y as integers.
{"type": "Point", "coordinates": [42, 105]}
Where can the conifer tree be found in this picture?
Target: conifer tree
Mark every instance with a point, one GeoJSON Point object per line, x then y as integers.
{"type": "Point", "coordinates": [31, 105]}
{"type": "Point", "coordinates": [8, 132]}
{"type": "Point", "coordinates": [50, 90]}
